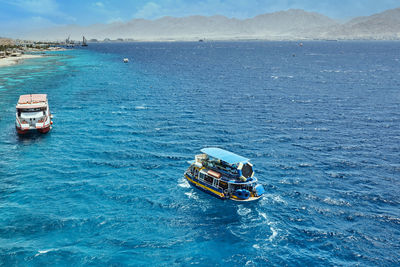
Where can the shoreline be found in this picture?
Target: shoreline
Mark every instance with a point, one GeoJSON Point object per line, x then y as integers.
{"type": "Point", "coordinates": [10, 61]}
{"type": "Point", "coordinates": [178, 40]}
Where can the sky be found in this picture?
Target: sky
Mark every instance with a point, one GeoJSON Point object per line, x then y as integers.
{"type": "Point", "coordinates": [18, 16]}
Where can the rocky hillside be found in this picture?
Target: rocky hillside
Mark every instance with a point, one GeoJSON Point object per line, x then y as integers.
{"type": "Point", "coordinates": [6, 42]}
{"type": "Point", "coordinates": [385, 25]}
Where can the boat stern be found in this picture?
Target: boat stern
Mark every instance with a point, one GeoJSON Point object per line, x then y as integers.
{"type": "Point", "coordinates": [30, 121]}
{"type": "Point", "coordinates": [250, 194]}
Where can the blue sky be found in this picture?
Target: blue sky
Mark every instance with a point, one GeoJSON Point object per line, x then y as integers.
{"type": "Point", "coordinates": [25, 15]}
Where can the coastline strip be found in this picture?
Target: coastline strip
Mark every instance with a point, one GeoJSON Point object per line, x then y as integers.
{"type": "Point", "coordinates": [9, 61]}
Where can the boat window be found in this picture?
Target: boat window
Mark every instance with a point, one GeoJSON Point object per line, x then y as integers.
{"type": "Point", "coordinates": [208, 179]}
{"type": "Point", "coordinates": [27, 110]}
{"type": "Point", "coordinates": [216, 182]}
{"type": "Point", "coordinates": [223, 184]}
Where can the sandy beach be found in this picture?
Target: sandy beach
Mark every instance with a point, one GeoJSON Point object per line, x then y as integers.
{"type": "Point", "coordinates": [8, 61]}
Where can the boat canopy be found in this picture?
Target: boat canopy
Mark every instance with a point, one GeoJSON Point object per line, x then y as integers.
{"type": "Point", "coordinates": [32, 101]}
{"type": "Point", "coordinates": [224, 155]}
{"type": "Point", "coordinates": [32, 98]}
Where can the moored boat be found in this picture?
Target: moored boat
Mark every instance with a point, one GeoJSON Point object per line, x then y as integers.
{"type": "Point", "coordinates": [84, 41]}
{"type": "Point", "coordinates": [33, 114]}
{"type": "Point", "coordinates": [225, 175]}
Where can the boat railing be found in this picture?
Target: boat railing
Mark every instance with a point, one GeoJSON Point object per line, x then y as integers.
{"type": "Point", "coordinates": [230, 187]}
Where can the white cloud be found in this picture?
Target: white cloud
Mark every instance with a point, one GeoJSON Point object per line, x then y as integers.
{"type": "Point", "coordinates": [99, 4]}
{"type": "Point", "coordinates": [37, 6]}
{"type": "Point", "coordinates": [109, 13]}
{"type": "Point", "coordinates": [149, 10]}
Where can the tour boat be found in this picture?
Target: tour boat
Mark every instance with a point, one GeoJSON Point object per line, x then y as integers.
{"type": "Point", "coordinates": [126, 60]}
{"type": "Point", "coordinates": [224, 175]}
{"type": "Point", "coordinates": [33, 114]}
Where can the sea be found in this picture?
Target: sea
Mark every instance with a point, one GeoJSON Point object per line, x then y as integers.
{"type": "Point", "coordinates": [105, 187]}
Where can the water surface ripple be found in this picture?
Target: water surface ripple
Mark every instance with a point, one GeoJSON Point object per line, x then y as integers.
{"type": "Point", "coordinates": [320, 122]}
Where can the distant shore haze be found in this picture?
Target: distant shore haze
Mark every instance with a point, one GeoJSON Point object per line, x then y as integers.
{"type": "Point", "coordinates": [292, 24]}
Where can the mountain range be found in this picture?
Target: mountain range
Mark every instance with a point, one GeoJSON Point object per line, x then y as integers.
{"type": "Point", "coordinates": [293, 24]}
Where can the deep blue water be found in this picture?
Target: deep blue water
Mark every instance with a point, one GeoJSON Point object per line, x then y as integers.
{"type": "Point", "coordinates": [321, 124]}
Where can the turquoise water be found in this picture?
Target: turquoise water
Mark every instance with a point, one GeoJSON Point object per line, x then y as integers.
{"type": "Point", "coordinates": [321, 124]}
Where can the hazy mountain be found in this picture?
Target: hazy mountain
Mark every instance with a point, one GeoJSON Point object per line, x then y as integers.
{"type": "Point", "coordinates": [284, 25]}
{"type": "Point", "coordinates": [385, 25]}
{"type": "Point", "coordinates": [287, 22]}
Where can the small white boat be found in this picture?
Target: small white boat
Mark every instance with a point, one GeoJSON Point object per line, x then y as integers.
{"type": "Point", "coordinates": [33, 114]}
{"type": "Point", "coordinates": [126, 60]}
{"type": "Point", "coordinates": [16, 54]}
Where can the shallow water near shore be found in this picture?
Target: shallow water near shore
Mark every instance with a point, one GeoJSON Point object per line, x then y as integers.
{"type": "Point", "coordinates": [321, 124]}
